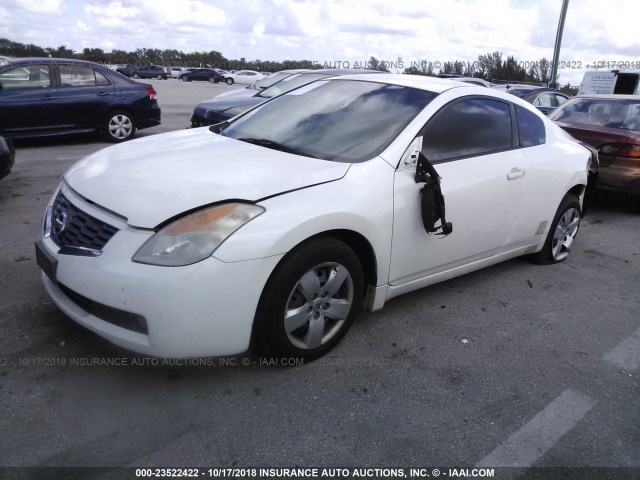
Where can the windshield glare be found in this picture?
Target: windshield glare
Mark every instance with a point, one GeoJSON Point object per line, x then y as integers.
{"type": "Point", "coordinates": [291, 82]}
{"type": "Point", "coordinates": [604, 113]}
{"type": "Point", "coordinates": [340, 120]}
{"type": "Point", "coordinates": [266, 82]}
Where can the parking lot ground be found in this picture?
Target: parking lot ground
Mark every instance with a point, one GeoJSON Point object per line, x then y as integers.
{"type": "Point", "coordinates": [516, 364]}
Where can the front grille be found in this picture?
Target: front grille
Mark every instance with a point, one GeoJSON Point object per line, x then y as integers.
{"type": "Point", "coordinates": [76, 231]}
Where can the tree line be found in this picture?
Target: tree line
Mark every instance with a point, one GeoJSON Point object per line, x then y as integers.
{"type": "Point", "coordinates": [491, 66]}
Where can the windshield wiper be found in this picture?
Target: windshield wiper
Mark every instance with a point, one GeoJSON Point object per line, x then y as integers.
{"type": "Point", "coordinates": [263, 142]}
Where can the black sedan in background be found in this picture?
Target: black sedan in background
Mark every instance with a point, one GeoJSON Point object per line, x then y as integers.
{"type": "Point", "coordinates": [543, 98]}
{"type": "Point", "coordinates": [228, 105]}
{"type": "Point", "coordinates": [203, 74]}
{"type": "Point", "coordinates": [7, 156]}
{"type": "Point", "coordinates": [55, 96]}
{"type": "Point", "coordinates": [144, 71]}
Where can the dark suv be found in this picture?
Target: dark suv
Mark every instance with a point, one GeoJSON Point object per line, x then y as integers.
{"type": "Point", "coordinates": [204, 74]}
{"type": "Point", "coordinates": [54, 96]}
{"type": "Point", "coordinates": [144, 71]}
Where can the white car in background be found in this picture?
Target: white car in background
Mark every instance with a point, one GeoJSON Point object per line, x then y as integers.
{"type": "Point", "coordinates": [243, 77]}
{"type": "Point", "coordinates": [196, 242]}
{"type": "Point", "coordinates": [177, 71]}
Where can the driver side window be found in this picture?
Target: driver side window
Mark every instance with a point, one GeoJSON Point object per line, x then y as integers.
{"type": "Point", "coordinates": [466, 128]}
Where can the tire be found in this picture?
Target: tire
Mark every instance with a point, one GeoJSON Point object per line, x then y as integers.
{"type": "Point", "coordinates": [184, 79]}
{"type": "Point", "coordinates": [118, 126]}
{"type": "Point", "coordinates": [296, 316]}
{"type": "Point", "coordinates": [228, 81]}
{"type": "Point", "coordinates": [562, 233]}
{"type": "Point", "coordinates": [159, 77]}
{"type": "Point", "coordinates": [135, 75]}
{"type": "Point", "coordinates": [212, 80]}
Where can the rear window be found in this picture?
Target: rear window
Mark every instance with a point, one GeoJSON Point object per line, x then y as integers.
{"type": "Point", "coordinates": [530, 127]}
{"type": "Point", "coordinates": [612, 113]}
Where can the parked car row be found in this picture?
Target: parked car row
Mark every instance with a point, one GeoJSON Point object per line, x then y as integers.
{"type": "Point", "coordinates": [53, 96]}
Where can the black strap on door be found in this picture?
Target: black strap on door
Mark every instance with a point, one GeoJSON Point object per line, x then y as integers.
{"type": "Point", "coordinates": [432, 203]}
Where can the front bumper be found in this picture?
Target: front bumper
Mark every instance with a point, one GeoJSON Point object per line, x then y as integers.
{"type": "Point", "coordinates": [204, 309]}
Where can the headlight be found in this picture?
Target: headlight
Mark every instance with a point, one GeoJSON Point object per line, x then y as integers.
{"type": "Point", "coordinates": [196, 236]}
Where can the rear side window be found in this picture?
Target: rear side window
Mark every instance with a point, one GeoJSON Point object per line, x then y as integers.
{"type": "Point", "coordinates": [470, 127]}
{"type": "Point", "coordinates": [531, 128]}
{"type": "Point", "coordinates": [80, 76]}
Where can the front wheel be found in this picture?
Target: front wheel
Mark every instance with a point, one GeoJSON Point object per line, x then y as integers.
{"type": "Point", "coordinates": [229, 81]}
{"type": "Point", "coordinates": [118, 126]}
{"type": "Point", "coordinates": [212, 80]}
{"type": "Point", "coordinates": [310, 300]}
{"type": "Point", "coordinates": [135, 75]}
{"type": "Point", "coordinates": [159, 77]}
{"type": "Point", "coordinates": [562, 233]}
{"type": "Point", "coordinates": [184, 79]}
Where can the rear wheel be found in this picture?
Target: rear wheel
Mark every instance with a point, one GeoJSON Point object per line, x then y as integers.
{"type": "Point", "coordinates": [229, 81]}
{"type": "Point", "coordinates": [184, 79]}
{"type": "Point", "coordinates": [562, 233]}
{"type": "Point", "coordinates": [118, 126]}
{"type": "Point", "coordinates": [310, 300]}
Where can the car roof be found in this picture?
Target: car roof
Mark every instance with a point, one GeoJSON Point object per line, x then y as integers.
{"type": "Point", "coordinates": [432, 84]}
{"type": "Point", "coordinates": [521, 86]}
{"type": "Point", "coordinates": [344, 71]}
{"type": "Point", "coordinates": [609, 96]}
{"type": "Point", "coordinates": [28, 60]}
{"type": "Point", "coordinates": [293, 70]}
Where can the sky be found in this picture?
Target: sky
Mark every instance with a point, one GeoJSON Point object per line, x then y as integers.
{"type": "Point", "coordinates": [332, 31]}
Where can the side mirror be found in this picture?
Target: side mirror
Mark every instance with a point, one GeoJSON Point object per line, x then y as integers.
{"type": "Point", "coordinates": [432, 204]}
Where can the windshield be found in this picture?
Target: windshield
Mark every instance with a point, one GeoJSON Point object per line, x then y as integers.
{"type": "Point", "coordinates": [340, 120]}
{"type": "Point", "coordinates": [604, 113]}
{"type": "Point", "coordinates": [291, 82]}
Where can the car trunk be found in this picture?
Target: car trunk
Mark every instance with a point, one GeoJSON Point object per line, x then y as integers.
{"type": "Point", "coordinates": [598, 136]}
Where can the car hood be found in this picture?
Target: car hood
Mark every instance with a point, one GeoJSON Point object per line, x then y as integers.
{"type": "Point", "coordinates": [152, 179]}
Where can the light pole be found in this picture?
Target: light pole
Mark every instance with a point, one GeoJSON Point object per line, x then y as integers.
{"type": "Point", "coordinates": [556, 48]}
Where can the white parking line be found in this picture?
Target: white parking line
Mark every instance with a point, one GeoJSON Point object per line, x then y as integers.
{"type": "Point", "coordinates": [541, 432]}
{"type": "Point", "coordinates": [627, 354]}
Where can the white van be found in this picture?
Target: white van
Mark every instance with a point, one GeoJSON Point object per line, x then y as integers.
{"type": "Point", "coordinates": [610, 82]}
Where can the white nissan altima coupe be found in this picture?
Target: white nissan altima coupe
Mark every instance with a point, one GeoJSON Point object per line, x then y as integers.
{"type": "Point", "coordinates": [278, 226]}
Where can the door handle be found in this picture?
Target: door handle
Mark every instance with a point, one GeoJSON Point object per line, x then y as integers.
{"type": "Point", "coordinates": [515, 173]}
{"type": "Point", "coordinates": [103, 94]}
{"type": "Point", "coordinates": [48, 97]}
